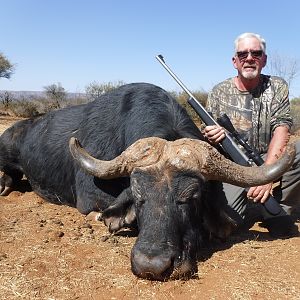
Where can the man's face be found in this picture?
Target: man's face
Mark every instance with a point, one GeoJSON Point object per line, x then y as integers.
{"type": "Point", "coordinates": [249, 58]}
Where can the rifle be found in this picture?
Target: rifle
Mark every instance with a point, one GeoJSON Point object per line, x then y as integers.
{"type": "Point", "coordinates": [228, 144]}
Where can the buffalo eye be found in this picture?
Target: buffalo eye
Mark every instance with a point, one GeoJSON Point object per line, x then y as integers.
{"type": "Point", "coordinates": [192, 192]}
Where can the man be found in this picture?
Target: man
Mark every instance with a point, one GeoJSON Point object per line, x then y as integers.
{"type": "Point", "coordinates": [258, 106]}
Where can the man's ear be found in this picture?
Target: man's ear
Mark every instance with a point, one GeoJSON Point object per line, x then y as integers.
{"type": "Point", "coordinates": [234, 62]}
{"type": "Point", "coordinates": [264, 62]}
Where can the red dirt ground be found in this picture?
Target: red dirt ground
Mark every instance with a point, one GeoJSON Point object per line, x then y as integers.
{"type": "Point", "coordinates": [54, 252]}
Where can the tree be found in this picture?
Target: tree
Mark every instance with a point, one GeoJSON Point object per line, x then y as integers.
{"type": "Point", "coordinates": [6, 68]}
{"type": "Point", "coordinates": [285, 67]}
{"type": "Point", "coordinates": [95, 89]}
{"type": "Point", "coordinates": [56, 92]}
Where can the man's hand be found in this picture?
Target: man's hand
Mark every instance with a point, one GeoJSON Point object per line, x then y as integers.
{"type": "Point", "coordinates": [277, 145]}
{"type": "Point", "coordinates": [215, 134]}
{"type": "Point", "coordinates": [259, 193]}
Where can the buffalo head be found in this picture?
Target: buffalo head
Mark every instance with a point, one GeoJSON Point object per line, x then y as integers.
{"type": "Point", "coordinates": [171, 198]}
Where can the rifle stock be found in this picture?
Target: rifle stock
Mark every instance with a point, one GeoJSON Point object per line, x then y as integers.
{"type": "Point", "coordinates": [228, 144]}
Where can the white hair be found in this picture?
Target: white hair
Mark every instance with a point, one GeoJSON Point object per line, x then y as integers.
{"type": "Point", "coordinates": [250, 35]}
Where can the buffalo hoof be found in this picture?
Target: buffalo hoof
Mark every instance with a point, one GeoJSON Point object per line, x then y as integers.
{"type": "Point", "coordinates": [94, 216]}
{"type": "Point", "coordinates": [6, 183]}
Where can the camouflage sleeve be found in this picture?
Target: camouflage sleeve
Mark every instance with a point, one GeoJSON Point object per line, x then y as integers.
{"type": "Point", "coordinates": [280, 108]}
{"type": "Point", "coordinates": [212, 104]}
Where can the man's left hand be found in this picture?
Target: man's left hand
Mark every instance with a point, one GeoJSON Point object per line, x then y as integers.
{"type": "Point", "coordinates": [259, 193]}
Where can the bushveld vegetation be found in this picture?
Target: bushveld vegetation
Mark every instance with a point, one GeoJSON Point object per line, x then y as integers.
{"type": "Point", "coordinates": [56, 97]}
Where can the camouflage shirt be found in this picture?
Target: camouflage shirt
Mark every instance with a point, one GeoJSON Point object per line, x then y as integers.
{"type": "Point", "coordinates": [254, 114]}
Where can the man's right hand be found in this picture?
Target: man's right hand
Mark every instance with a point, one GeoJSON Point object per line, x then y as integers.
{"type": "Point", "coordinates": [215, 134]}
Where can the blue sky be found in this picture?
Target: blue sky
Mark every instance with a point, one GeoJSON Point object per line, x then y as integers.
{"type": "Point", "coordinates": [76, 42]}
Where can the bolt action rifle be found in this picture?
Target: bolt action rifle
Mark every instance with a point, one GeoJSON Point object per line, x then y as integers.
{"type": "Point", "coordinates": [228, 144]}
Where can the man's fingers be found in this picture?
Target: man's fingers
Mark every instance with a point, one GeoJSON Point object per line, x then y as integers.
{"type": "Point", "coordinates": [259, 193]}
{"type": "Point", "coordinates": [265, 197]}
{"type": "Point", "coordinates": [220, 138]}
{"type": "Point", "coordinates": [213, 130]}
{"type": "Point", "coordinates": [259, 196]}
{"type": "Point", "coordinates": [214, 133]}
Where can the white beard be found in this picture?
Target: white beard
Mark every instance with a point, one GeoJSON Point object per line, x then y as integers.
{"type": "Point", "coordinates": [250, 74]}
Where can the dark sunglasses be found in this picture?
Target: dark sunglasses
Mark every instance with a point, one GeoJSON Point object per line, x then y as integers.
{"type": "Point", "coordinates": [242, 55]}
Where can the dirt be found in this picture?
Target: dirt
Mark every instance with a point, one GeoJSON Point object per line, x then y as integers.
{"type": "Point", "coordinates": [53, 252]}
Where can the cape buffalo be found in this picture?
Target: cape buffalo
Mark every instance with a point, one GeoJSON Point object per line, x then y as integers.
{"type": "Point", "coordinates": [165, 187]}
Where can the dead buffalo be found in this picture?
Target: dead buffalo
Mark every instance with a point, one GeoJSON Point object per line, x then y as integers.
{"type": "Point", "coordinates": [170, 199]}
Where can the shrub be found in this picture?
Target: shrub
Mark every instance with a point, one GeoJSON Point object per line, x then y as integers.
{"type": "Point", "coordinates": [182, 99]}
{"type": "Point", "coordinates": [25, 109]}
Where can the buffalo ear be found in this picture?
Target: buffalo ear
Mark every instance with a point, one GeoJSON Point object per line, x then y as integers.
{"type": "Point", "coordinates": [121, 213]}
{"type": "Point", "coordinates": [216, 219]}
{"type": "Point", "coordinates": [219, 225]}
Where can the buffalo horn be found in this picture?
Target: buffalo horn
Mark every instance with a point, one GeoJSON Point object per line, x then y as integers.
{"type": "Point", "coordinates": [142, 153]}
{"type": "Point", "coordinates": [215, 166]}
{"type": "Point", "coordinates": [186, 155]}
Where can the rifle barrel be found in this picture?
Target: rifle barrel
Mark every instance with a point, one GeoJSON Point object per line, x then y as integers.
{"type": "Point", "coordinates": [161, 60]}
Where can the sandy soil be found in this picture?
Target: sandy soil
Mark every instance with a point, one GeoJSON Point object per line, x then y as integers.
{"type": "Point", "coordinates": [54, 252]}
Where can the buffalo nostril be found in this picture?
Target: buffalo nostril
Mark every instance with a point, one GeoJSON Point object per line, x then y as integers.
{"type": "Point", "coordinates": [157, 267]}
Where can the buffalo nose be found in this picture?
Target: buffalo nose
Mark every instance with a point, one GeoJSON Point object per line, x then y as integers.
{"type": "Point", "coordinates": [158, 267]}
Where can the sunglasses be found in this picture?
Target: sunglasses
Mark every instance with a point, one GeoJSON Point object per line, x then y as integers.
{"type": "Point", "coordinates": [256, 54]}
